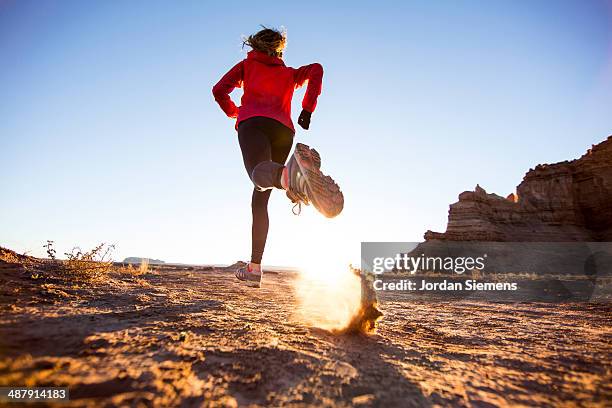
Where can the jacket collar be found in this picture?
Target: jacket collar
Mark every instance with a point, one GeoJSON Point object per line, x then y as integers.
{"type": "Point", "coordinates": [264, 58]}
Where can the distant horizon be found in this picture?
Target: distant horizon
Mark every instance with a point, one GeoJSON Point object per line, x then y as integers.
{"type": "Point", "coordinates": [171, 263]}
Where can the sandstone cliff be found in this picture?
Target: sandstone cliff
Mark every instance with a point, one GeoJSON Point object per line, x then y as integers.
{"type": "Point", "coordinates": [566, 201]}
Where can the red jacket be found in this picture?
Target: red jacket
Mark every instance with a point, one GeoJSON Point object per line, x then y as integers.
{"type": "Point", "coordinates": [268, 88]}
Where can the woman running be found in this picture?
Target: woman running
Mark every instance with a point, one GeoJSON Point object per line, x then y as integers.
{"type": "Point", "coordinates": [265, 134]}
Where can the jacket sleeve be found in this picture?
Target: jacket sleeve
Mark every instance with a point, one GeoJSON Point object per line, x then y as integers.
{"type": "Point", "coordinates": [225, 86]}
{"type": "Point", "coordinates": [312, 73]}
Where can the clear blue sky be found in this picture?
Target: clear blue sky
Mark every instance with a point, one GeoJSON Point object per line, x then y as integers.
{"type": "Point", "coordinates": [109, 132]}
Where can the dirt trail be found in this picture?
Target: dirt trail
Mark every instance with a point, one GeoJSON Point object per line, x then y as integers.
{"type": "Point", "coordinates": [194, 338]}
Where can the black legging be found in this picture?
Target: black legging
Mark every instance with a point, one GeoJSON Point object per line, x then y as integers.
{"type": "Point", "coordinates": [265, 145]}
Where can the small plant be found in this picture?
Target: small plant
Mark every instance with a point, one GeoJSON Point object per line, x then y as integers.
{"type": "Point", "coordinates": [50, 250]}
{"type": "Point", "coordinates": [144, 266]}
{"type": "Point", "coordinates": [134, 272]}
{"type": "Point", "coordinates": [90, 265]}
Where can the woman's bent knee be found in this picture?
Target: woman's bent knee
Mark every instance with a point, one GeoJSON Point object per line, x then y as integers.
{"type": "Point", "coordinates": [265, 175]}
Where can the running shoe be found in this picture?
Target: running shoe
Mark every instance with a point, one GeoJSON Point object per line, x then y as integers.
{"type": "Point", "coordinates": [308, 185]}
{"type": "Point", "coordinates": [250, 276]}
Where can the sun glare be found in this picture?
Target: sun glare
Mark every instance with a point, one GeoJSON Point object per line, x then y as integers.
{"type": "Point", "coordinates": [328, 293]}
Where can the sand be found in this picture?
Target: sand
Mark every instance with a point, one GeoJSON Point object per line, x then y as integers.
{"type": "Point", "coordinates": [200, 338]}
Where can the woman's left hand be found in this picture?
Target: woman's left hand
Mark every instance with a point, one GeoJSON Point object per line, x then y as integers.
{"type": "Point", "coordinates": [304, 119]}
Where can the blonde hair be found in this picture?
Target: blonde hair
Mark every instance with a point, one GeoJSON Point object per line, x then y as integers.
{"type": "Point", "coordinates": [268, 40]}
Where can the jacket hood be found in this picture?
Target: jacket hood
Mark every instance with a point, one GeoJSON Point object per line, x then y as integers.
{"type": "Point", "coordinates": [264, 58]}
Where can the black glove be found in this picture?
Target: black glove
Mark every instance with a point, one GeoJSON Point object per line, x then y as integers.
{"type": "Point", "coordinates": [304, 119]}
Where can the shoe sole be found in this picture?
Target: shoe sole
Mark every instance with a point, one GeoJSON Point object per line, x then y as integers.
{"type": "Point", "coordinates": [250, 283]}
{"type": "Point", "coordinates": [325, 194]}
{"type": "Point", "coordinates": [316, 158]}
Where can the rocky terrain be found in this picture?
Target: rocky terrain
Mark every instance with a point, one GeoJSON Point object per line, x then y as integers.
{"type": "Point", "coordinates": [191, 336]}
{"type": "Point", "coordinates": [566, 201]}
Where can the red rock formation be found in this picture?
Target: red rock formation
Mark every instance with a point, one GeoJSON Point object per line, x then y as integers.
{"type": "Point", "coordinates": [566, 201]}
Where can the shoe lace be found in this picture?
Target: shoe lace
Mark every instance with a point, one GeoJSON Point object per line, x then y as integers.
{"type": "Point", "coordinates": [297, 201]}
{"type": "Point", "coordinates": [296, 194]}
{"type": "Point", "coordinates": [297, 205]}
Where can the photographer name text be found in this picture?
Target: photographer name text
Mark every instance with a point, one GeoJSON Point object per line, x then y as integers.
{"type": "Point", "coordinates": [445, 285]}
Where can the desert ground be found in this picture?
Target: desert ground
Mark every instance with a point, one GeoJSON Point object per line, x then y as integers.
{"type": "Point", "coordinates": [197, 337]}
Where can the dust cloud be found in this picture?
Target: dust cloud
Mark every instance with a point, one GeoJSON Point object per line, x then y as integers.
{"type": "Point", "coordinates": [336, 297]}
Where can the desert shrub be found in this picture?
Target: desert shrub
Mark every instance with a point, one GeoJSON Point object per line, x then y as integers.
{"type": "Point", "coordinates": [144, 266]}
{"type": "Point", "coordinates": [79, 265]}
{"type": "Point", "coordinates": [50, 250]}
{"type": "Point", "coordinates": [89, 265]}
{"type": "Point", "coordinates": [132, 271]}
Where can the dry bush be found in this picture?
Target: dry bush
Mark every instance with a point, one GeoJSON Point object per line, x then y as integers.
{"type": "Point", "coordinates": [133, 271]}
{"type": "Point", "coordinates": [144, 266]}
{"type": "Point", "coordinates": [88, 266]}
{"type": "Point", "coordinates": [50, 250]}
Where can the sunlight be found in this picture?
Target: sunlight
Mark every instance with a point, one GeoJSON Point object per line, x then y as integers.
{"type": "Point", "coordinates": [328, 293]}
